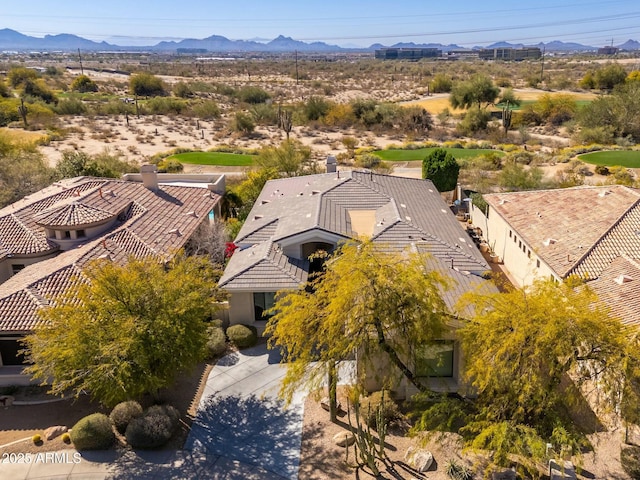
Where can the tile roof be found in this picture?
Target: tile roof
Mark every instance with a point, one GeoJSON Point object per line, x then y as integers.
{"type": "Point", "coordinates": [263, 267]}
{"type": "Point", "coordinates": [407, 212]}
{"type": "Point", "coordinates": [596, 232]}
{"type": "Point", "coordinates": [620, 294]}
{"type": "Point", "coordinates": [577, 219]}
{"type": "Point", "coordinates": [149, 223]}
{"type": "Point", "coordinates": [72, 215]}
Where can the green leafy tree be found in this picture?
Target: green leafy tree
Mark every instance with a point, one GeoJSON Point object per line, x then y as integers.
{"type": "Point", "coordinates": [607, 77]}
{"type": "Point", "coordinates": [146, 85]}
{"type": "Point", "coordinates": [83, 84]}
{"type": "Point", "coordinates": [619, 111]}
{"type": "Point", "coordinates": [39, 90]}
{"type": "Point", "coordinates": [475, 120]}
{"type": "Point", "coordinates": [365, 300]}
{"type": "Point", "coordinates": [479, 91]}
{"type": "Point", "coordinates": [442, 169]}
{"type": "Point", "coordinates": [4, 90]}
{"type": "Point", "coordinates": [127, 331]}
{"type": "Point", "coordinates": [520, 347]}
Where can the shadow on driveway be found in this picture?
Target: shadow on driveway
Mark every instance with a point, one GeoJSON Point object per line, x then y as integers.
{"type": "Point", "coordinates": [251, 430]}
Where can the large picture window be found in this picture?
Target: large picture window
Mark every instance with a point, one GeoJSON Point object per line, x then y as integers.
{"type": "Point", "coordinates": [262, 301]}
{"type": "Point", "coordinates": [435, 360]}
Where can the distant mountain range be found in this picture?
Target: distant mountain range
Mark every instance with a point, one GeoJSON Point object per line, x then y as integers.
{"type": "Point", "coordinates": [10, 40]}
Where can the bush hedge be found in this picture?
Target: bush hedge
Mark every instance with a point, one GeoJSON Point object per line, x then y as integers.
{"type": "Point", "coordinates": [242, 336]}
{"type": "Point", "coordinates": [123, 413]}
{"type": "Point", "coordinates": [369, 407]}
{"type": "Point", "coordinates": [217, 341]}
{"type": "Point", "coordinates": [153, 429]}
{"type": "Point", "coordinates": [93, 432]}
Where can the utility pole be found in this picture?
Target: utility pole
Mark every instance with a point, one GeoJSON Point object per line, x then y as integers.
{"type": "Point", "coordinates": [80, 57]}
{"type": "Point", "coordinates": [542, 68]}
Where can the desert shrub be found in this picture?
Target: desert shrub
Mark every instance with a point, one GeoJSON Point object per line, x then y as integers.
{"type": "Point", "coordinates": [146, 85]}
{"type": "Point", "coordinates": [264, 114]}
{"type": "Point", "coordinates": [242, 336]}
{"type": "Point", "coordinates": [474, 120]}
{"type": "Point", "coordinates": [166, 105]}
{"type": "Point", "coordinates": [522, 157]}
{"type": "Point", "coordinates": [243, 123]}
{"type": "Point", "coordinates": [251, 94]}
{"type": "Point", "coordinates": [602, 170]}
{"type": "Point", "coordinates": [123, 413]}
{"type": "Point", "coordinates": [38, 89]}
{"type": "Point", "coordinates": [316, 108]}
{"type": "Point", "coordinates": [170, 165]}
{"type": "Point", "coordinates": [66, 438]}
{"type": "Point", "coordinates": [441, 84]}
{"type": "Point", "coordinates": [217, 341]}
{"type": "Point", "coordinates": [369, 407]}
{"type": "Point", "coordinates": [93, 432]}
{"type": "Point", "coordinates": [457, 471]}
{"type": "Point", "coordinates": [630, 460]}
{"type": "Point", "coordinates": [600, 134]}
{"type": "Point", "coordinates": [206, 110]}
{"type": "Point", "coordinates": [70, 106]}
{"type": "Point", "coordinates": [9, 111]}
{"type": "Point", "coordinates": [83, 84]}
{"type": "Point", "coordinates": [154, 428]}
{"type": "Point", "coordinates": [368, 160]}
{"type": "Point", "coordinates": [182, 90]}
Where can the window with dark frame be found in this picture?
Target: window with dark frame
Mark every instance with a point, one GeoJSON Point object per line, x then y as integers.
{"type": "Point", "coordinates": [262, 301]}
{"type": "Point", "coordinates": [435, 359]}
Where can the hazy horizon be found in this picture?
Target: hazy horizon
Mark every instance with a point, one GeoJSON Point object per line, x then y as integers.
{"type": "Point", "coordinates": [345, 23]}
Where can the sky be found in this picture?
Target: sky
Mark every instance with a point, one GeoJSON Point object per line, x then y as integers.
{"type": "Point", "coordinates": [340, 22]}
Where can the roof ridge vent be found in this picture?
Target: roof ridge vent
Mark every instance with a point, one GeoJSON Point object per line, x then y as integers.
{"type": "Point", "coordinates": [622, 278]}
{"type": "Point", "coordinates": [549, 241]}
{"type": "Point", "coordinates": [604, 193]}
{"type": "Point", "coordinates": [315, 192]}
{"type": "Point", "coordinates": [176, 231]}
{"type": "Point", "coordinates": [191, 213]}
{"type": "Point", "coordinates": [503, 201]}
{"type": "Point", "coordinates": [258, 217]}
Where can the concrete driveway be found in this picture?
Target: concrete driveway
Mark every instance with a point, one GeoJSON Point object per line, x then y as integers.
{"type": "Point", "coordinates": [241, 432]}
{"type": "Point", "coordinates": [242, 424]}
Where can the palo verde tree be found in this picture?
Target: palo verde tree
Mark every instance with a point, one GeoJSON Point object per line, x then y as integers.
{"type": "Point", "coordinates": [83, 84]}
{"type": "Point", "coordinates": [442, 169]}
{"type": "Point", "coordinates": [479, 91]}
{"type": "Point", "coordinates": [146, 85]}
{"type": "Point", "coordinates": [366, 300]}
{"type": "Point", "coordinates": [520, 348]}
{"type": "Point", "coordinates": [291, 159]}
{"type": "Point", "coordinates": [127, 330]}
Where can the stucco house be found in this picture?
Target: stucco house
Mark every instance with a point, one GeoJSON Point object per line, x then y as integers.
{"type": "Point", "coordinates": [589, 231]}
{"type": "Point", "coordinates": [294, 217]}
{"type": "Point", "coordinates": [47, 238]}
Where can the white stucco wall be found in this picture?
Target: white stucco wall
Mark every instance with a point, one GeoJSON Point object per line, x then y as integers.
{"type": "Point", "coordinates": [519, 258]}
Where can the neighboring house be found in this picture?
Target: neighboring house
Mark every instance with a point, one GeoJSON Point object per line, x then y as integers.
{"type": "Point", "coordinates": [47, 238]}
{"type": "Point", "coordinates": [590, 231]}
{"type": "Point", "coordinates": [295, 217]}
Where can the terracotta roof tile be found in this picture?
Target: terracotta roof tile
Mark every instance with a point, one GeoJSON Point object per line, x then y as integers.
{"type": "Point", "coordinates": [72, 215]}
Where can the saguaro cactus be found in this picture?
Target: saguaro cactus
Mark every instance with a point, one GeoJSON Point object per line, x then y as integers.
{"type": "Point", "coordinates": [22, 110]}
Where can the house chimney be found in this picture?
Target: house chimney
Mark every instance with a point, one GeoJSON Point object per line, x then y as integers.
{"type": "Point", "coordinates": [149, 174]}
{"type": "Point", "coordinates": [332, 164]}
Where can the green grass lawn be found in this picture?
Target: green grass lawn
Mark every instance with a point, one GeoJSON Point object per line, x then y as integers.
{"type": "Point", "coordinates": [419, 154]}
{"type": "Point", "coordinates": [610, 158]}
{"type": "Point", "coordinates": [524, 103]}
{"type": "Point", "coordinates": [215, 158]}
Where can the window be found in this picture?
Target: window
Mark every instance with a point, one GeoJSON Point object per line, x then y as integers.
{"type": "Point", "coordinates": [529, 253]}
{"type": "Point", "coordinates": [515, 239]}
{"type": "Point", "coordinates": [67, 234]}
{"type": "Point", "coordinates": [510, 234]}
{"type": "Point", "coordinates": [16, 267]}
{"type": "Point", "coordinates": [80, 234]}
{"type": "Point", "coordinates": [435, 360]}
{"type": "Point", "coordinates": [538, 263]}
{"type": "Point", "coordinates": [519, 244]}
{"type": "Point", "coordinates": [262, 301]}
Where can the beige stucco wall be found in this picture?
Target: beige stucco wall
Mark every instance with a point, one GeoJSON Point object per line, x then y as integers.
{"type": "Point", "coordinates": [7, 263]}
{"type": "Point", "coordinates": [519, 258]}
{"type": "Point", "coordinates": [241, 311]}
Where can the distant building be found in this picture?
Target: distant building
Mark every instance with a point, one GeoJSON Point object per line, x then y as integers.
{"type": "Point", "coordinates": [510, 54]}
{"type": "Point", "coordinates": [407, 53]}
{"type": "Point", "coordinates": [607, 51]}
